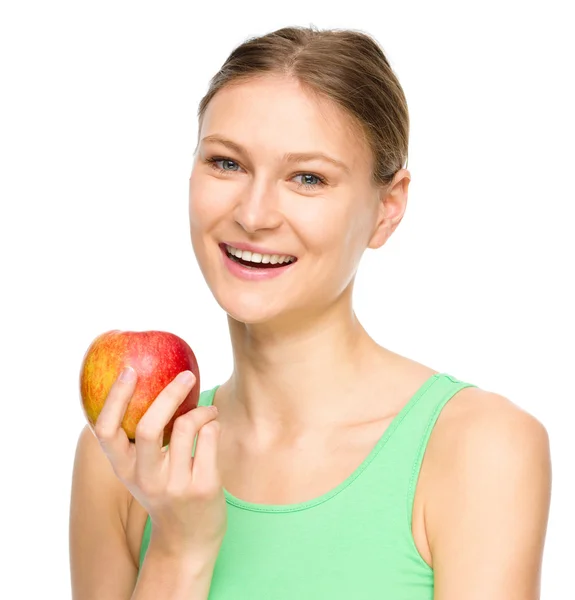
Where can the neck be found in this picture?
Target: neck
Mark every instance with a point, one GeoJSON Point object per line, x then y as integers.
{"type": "Point", "coordinates": [298, 377]}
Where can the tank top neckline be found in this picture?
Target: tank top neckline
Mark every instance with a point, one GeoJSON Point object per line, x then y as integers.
{"type": "Point", "coordinates": [299, 506]}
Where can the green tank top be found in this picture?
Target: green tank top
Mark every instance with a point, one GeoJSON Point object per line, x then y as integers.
{"type": "Point", "coordinates": [354, 542]}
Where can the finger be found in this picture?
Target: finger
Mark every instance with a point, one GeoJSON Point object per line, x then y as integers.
{"type": "Point", "coordinates": [205, 473]}
{"type": "Point", "coordinates": [185, 429]}
{"type": "Point", "coordinates": [150, 428]}
{"type": "Point", "coordinates": [108, 426]}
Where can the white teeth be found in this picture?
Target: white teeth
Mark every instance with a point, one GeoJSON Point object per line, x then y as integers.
{"type": "Point", "coordinates": [255, 257]}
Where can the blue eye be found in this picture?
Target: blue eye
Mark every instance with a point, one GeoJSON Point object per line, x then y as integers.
{"type": "Point", "coordinates": [311, 181]}
{"type": "Point", "coordinates": [227, 163]}
{"type": "Point", "coordinates": [223, 165]}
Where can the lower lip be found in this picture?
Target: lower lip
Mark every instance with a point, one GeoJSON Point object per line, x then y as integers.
{"type": "Point", "coordinates": [252, 273]}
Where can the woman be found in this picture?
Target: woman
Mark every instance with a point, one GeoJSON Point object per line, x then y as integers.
{"type": "Point", "coordinates": [332, 467]}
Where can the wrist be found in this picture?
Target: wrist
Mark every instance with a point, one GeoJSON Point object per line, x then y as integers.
{"type": "Point", "coordinates": [174, 557]}
{"type": "Point", "coordinates": [179, 559]}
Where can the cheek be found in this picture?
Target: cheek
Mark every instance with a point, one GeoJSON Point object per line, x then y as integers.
{"type": "Point", "coordinates": [360, 222]}
{"type": "Point", "coordinates": [333, 230]}
{"type": "Point", "coordinates": [343, 239]}
{"type": "Point", "coordinates": [198, 201]}
{"type": "Point", "coordinates": [202, 217]}
{"type": "Point", "coordinates": [210, 200]}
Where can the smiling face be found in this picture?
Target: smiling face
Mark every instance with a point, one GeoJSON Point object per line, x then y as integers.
{"type": "Point", "coordinates": [258, 184]}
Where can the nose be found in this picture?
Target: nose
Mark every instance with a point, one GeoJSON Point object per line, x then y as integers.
{"type": "Point", "coordinates": [257, 207]}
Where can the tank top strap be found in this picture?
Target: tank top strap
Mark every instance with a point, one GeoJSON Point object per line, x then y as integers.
{"type": "Point", "coordinates": [207, 396]}
{"type": "Point", "coordinates": [409, 441]}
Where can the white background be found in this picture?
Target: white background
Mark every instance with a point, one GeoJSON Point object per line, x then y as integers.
{"type": "Point", "coordinates": [97, 130]}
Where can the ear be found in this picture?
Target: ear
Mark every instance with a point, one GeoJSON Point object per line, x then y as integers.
{"type": "Point", "coordinates": [391, 208]}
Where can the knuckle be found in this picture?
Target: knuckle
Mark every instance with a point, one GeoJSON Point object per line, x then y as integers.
{"type": "Point", "coordinates": [190, 422]}
{"type": "Point", "coordinates": [103, 431]}
{"type": "Point", "coordinates": [213, 427]}
{"type": "Point", "coordinates": [205, 492]}
{"type": "Point", "coordinates": [177, 491]}
{"type": "Point", "coordinates": [145, 432]}
{"type": "Point", "coordinates": [204, 414]}
{"type": "Point", "coordinates": [206, 489]}
{"type": "Point", "coordinates": [183, 427]}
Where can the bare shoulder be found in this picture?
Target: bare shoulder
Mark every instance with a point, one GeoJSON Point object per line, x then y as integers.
{"type": "Point", "coordinates": [482, 426]}
{"type": "Point", "coordinates": [487, 496]}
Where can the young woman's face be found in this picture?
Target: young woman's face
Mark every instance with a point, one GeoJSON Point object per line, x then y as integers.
{"type": "Point", "coordinates": [249, 189]}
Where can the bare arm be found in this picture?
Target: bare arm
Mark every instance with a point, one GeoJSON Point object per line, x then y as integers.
{"type": "Point", "coordinates": [100, 562]}
{"type": "Point", "coordinates": [487, 519]}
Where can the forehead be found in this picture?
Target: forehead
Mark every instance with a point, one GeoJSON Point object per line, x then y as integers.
{"type": "Point", "coordinates": [276, 114]}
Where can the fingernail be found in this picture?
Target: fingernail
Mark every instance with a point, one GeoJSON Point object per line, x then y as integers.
{"type": "Point", "coordinates": [186, 377]}
{"type": "Point", "coordinates": [214, 408]}
{"type": "Point", "coordinates": [127, 374]}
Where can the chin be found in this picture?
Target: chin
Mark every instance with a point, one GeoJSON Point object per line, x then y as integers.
{"type": "Point", "coordinates": [250, 309]}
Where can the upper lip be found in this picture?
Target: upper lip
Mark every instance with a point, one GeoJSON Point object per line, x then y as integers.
{"type": "Point", "coordinates": [257, 249]}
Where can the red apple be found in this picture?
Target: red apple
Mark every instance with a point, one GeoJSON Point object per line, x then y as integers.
{"type": "Point", "coordinates": [156, 356]}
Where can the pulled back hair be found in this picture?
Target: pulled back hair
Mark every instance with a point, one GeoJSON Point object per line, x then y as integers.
{"type": "Point", "coordinates": [345, 66]}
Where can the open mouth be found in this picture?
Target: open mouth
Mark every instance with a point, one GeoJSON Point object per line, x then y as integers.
{"type": "Point", "coordinates": [253, 260]}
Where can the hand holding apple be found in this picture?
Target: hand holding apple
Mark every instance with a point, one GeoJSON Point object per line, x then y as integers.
{"type": "Point", "coordinates": [181, 490]}
{"type": "Point", "coordinates": [156, 356]}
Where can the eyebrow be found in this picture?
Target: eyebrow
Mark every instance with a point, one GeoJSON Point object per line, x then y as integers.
{"type": "Point", "coordinates": [290, 157]}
